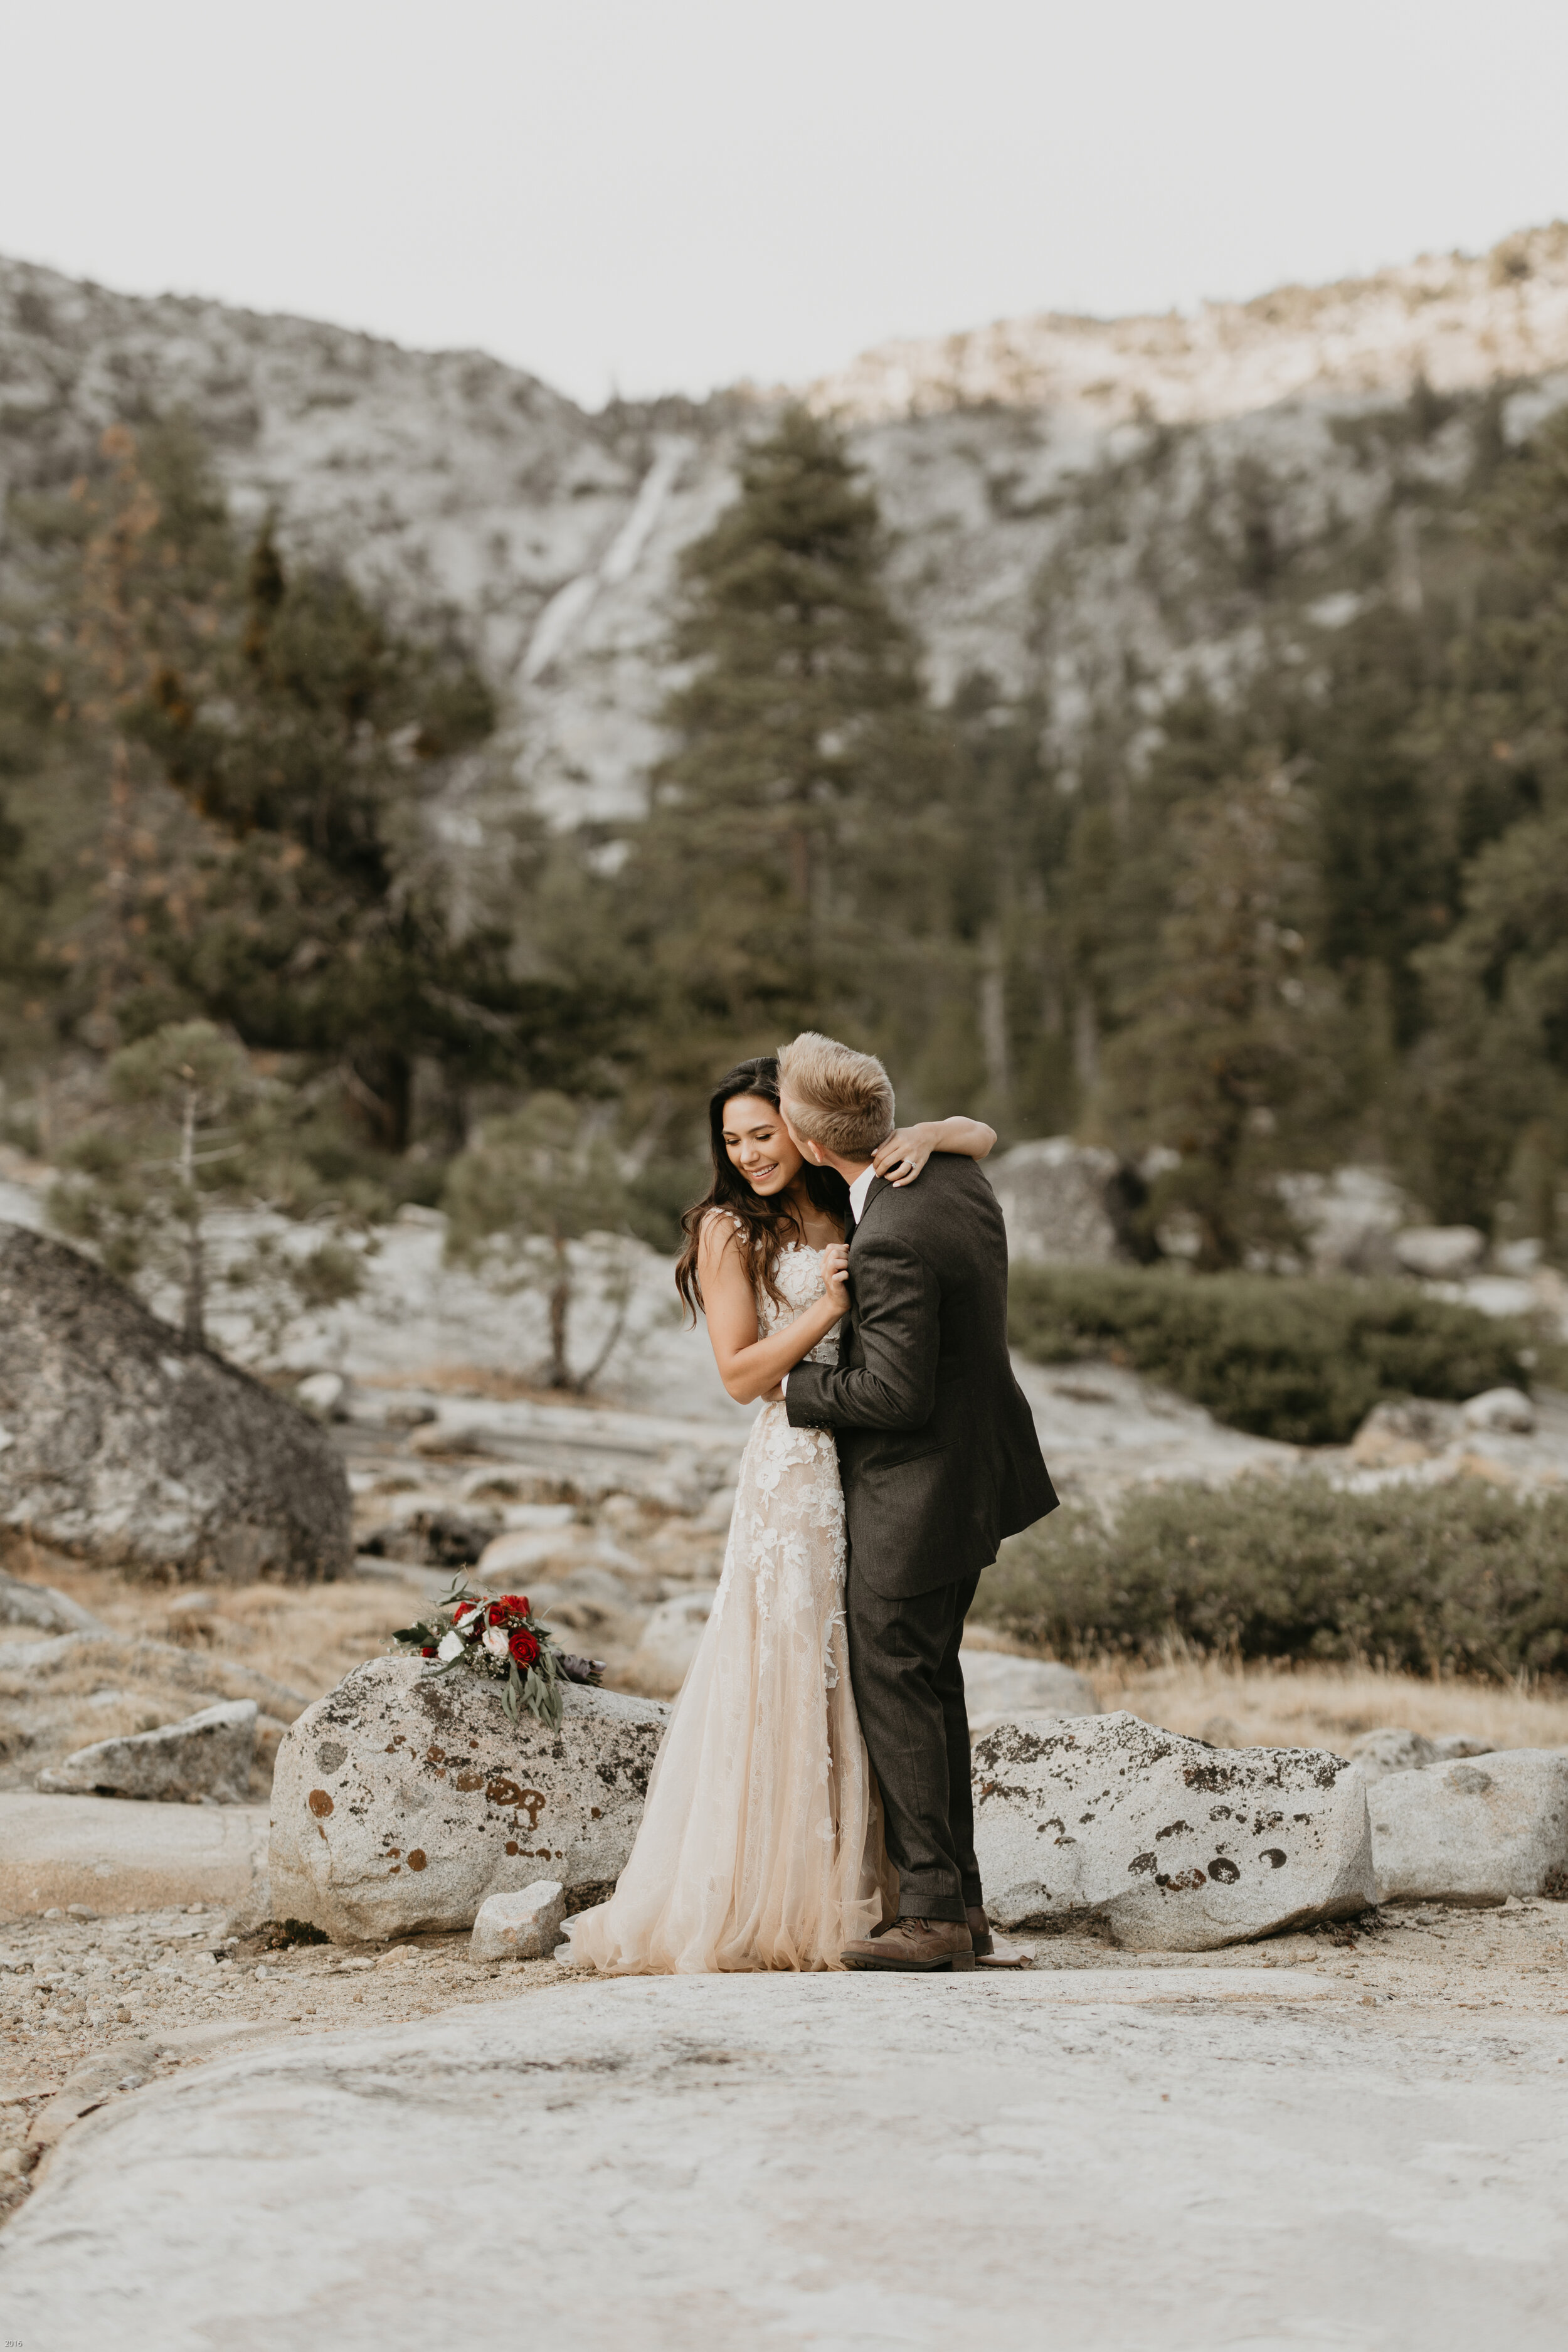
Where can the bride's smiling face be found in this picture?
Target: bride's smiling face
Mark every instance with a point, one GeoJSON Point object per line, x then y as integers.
{"type": "Point", "coordinates": [758, 1144]}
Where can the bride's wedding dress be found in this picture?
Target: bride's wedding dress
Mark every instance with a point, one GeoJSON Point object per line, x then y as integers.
{"type": "Point", "coordinates": [761, 1845]}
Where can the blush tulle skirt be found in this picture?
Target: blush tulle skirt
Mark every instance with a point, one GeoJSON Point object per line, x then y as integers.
{"type": "Point", "coordinates": [761, 1844]}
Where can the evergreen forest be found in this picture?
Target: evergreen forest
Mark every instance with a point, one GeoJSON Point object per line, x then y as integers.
{"type": "Point", "coordinates": [1309, 913]}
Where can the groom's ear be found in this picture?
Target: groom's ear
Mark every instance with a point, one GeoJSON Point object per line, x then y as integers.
{"type": "Point", "coordinates": [807, 1149]}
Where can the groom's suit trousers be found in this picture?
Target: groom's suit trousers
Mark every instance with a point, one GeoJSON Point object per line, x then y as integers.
{"type": "Point", "coordinates": [909, 1692]}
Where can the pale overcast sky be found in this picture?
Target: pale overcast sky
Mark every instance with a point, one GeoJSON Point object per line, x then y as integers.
{"type": "Point", "coordinates": [670, 195]}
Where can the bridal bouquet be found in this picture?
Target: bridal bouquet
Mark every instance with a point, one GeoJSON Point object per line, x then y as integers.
{"type": "Point", "coordinates": [502, 1639]}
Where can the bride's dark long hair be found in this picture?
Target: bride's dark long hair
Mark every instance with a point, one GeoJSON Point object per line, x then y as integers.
{"type": "Point", "coordinates": [766, 1226]}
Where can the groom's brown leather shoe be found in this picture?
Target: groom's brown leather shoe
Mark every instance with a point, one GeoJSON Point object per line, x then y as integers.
{"type": "Point", "coordinates": [913, 1944]}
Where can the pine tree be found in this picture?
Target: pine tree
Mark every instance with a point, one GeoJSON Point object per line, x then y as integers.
{"type": "Point", "coordinates": [1229, 1058]}
{"type": "Point", "coordinates": [109, 584]}
{"type": "Point", "coordinates": [192, 1130]}
{"type": "Point", "coordinates": [1489, 1078]}
{"type": "Point", "coordinates": [530, 1187]}
{"type": "Point", "coordinates": [320, 927]}
{"type": "Point", "coordinates": [790, 870]}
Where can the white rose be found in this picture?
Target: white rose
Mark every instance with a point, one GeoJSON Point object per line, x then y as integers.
{"type": "Point", "coordinates": [496, 1640]}
{"type": "Point", "coordinates": [449, 1646]}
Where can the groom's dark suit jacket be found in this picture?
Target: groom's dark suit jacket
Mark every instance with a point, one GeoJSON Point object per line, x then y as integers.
{"type": "Point", "coordinates": [936, 1442]}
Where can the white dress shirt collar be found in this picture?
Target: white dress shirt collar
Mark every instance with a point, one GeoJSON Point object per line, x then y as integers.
{"type": "Point", "coordinates": [857, 1192]}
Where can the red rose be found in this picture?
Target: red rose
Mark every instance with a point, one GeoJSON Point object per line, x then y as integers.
{"type": "Point", "coordinates": [524, 1648]}
{"type": "Point", "coordinates": [495, 1613]}
{"type": "Point", "coordinates": [428, 1651]}
{"type": "Point", "coordinates": [464, 1609]}
{"type": "Point", "coordinates": [517, 1603]}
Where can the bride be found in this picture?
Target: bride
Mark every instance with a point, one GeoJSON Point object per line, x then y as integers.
{"type": "Point", "coordinates": [761, 1845]}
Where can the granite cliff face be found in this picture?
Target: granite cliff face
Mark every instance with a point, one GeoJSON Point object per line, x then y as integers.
{"type": "Point", "coordinates": [1090, 508]}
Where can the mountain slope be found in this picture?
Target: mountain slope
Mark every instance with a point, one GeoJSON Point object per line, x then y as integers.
{"type": "Point", "coordinates": [1089, 508]}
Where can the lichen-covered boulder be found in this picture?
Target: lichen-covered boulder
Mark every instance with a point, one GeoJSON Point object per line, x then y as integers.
{"type": "Point", "coordinates": [1471, 1832]}
{"type": "Point", "coordinates": [124, 1443]}
{"type": "Point", "coordinates": [1167, 1843]}
{"type": "Point", "coordinates": [403, 1798]}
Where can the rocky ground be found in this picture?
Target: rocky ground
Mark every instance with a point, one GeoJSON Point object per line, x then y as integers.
{"type": "Point", "coordinates": [1351, 2137]}
{"type": "Point", "coordinates": [1449, 2022]}
{"type": "Point", "coordinates": [166, 1991]}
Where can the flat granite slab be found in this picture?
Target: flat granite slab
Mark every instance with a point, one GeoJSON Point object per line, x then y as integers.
{"type": "Point", "coordinates": [1128, 2159]}
{"type": "Point", "coordinates": [120, 1854]}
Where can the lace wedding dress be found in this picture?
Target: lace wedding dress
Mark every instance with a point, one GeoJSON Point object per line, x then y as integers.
{"type": "Point", "coordinates": [761, 1845]}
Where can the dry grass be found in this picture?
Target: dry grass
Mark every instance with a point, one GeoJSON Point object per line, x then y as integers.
{"type": "Point", "coordinates": [305, 1637]}
{"type": "Point", "coordinates": [1326, 1707]}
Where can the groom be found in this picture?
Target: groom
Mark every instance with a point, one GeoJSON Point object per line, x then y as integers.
{"type": "Point", "coordinates": [939, 1460]}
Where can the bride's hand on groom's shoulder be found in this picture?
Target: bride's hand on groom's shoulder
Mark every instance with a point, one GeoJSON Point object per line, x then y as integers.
{"type": "Point", "coordinates": [899, 1161]}
{"type": "Point", "coordinates": [835, 1274]}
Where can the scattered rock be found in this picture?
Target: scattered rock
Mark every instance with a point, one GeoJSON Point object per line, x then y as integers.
{"type": "Point", "coordinates": [538, 1519]}
{"type": "Point", "coordinates": [1502, 1410]}
{"type": "Point", "coordinates": [58, 1851]}
{"type": "Point", "coordinates": [522, 1549]}
{"type": "Point", "coordinates": [123, 2066]}
{"type": "Point", "coordinates": [1439, 1253]}
{"type": "Point", "coordinates": [409, 1416]}
{"type": "Point", "coordinates": [436, 1538]}
{"type": "Point", "coordinates": [402, 1798]}
{"type": "Point", "coordinates": [1471, 1833]}
{"type": "Point", "coordinates": [22, 1603]}
{"type": "Point", "coordinates": [681, 1484]}
{"type": "Point", "coordinates": [670, 1641]}
{"type": "Point", "coordinates": [326, 1394]}
{"type": "Point", "coordinates": [523, 1489]}
{"type": "Point", "coordinates": [525, 1926]}
{"type": "Point", "coordinates": [206, 1756]}
{"type": "Point", "coordinates": [1066, 1203]}
{"type": "Point", "coordinates": [1167, 1843]}
{"type": "Point", "coordinates": [1398, 1436]}
{"type": "Point", "coordinates": [1377, 1752]}
{"type": "Point", "coordinates": [1347, 1218]}
{"type": "Point", "coordinates": [998, 1688]}
{"type": "Point", "coordinates": [597, 1590]}
{"type": "Point", "coordinates": [126, 1444]}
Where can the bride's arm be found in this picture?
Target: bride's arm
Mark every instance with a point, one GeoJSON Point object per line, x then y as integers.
{"type": "Point", "coordinates": [750, 1366]}
{"type": "Point", "coordinates": [907, 1148]}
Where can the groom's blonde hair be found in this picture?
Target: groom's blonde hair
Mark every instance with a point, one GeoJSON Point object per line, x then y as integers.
{"type": "Point", "coordinates": [835, 1097]}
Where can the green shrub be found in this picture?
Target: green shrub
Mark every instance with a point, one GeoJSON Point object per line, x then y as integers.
{"type": "Point", "coordinates": [1300, 1360]}
{"type": "Point", "coordinates": [1463, 1577]}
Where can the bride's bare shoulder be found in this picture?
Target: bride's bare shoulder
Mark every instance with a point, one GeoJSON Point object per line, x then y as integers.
{"type": "Point", "coordinates": [720, 1231]}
